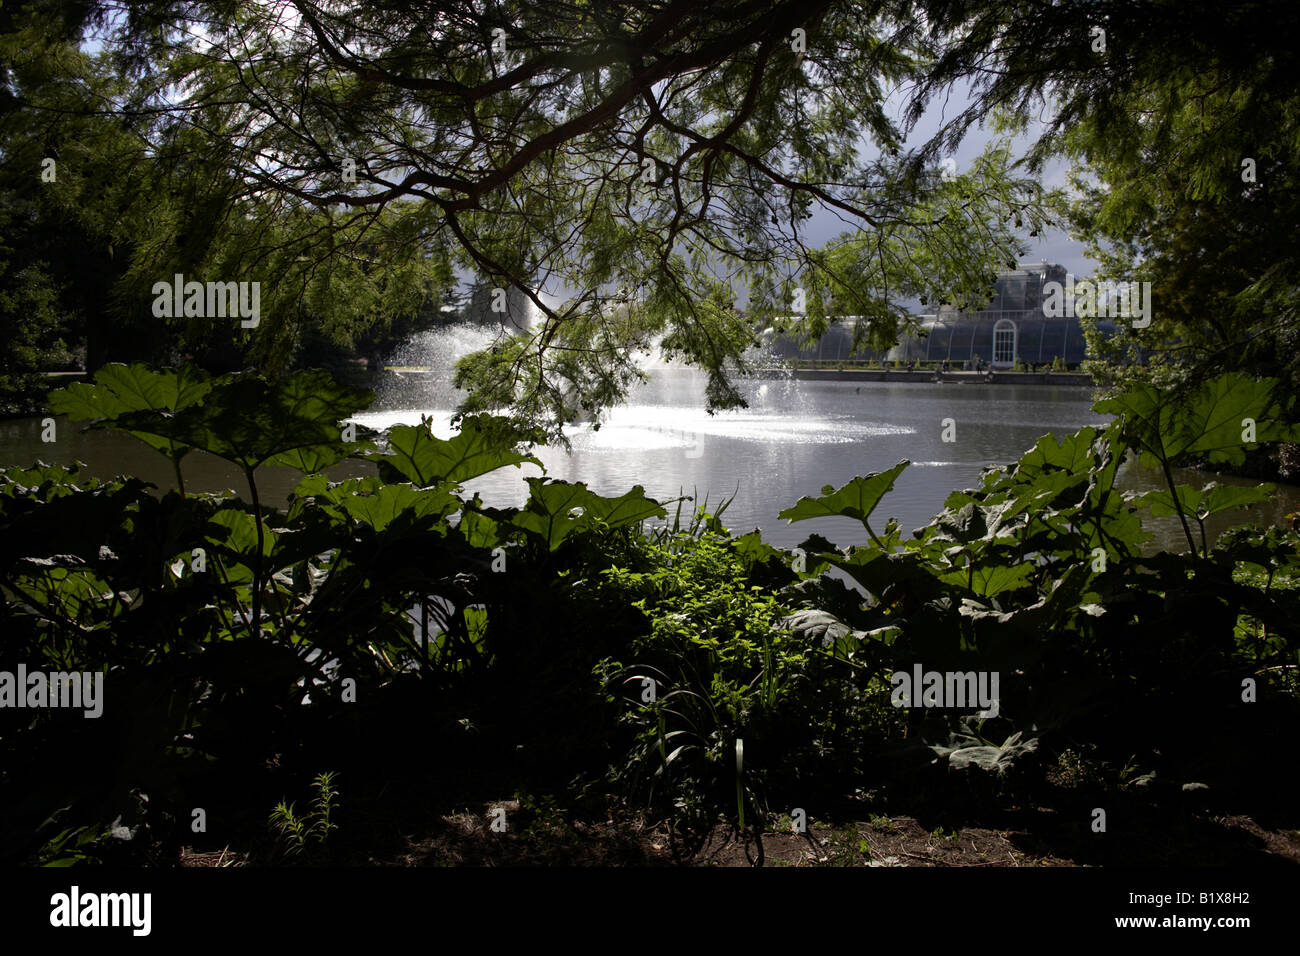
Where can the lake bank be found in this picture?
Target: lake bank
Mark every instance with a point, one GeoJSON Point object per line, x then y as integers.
{"type": "Point", "coordinates": [928, 376]}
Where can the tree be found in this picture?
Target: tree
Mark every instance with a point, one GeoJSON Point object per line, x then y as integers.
{"type": "Point", "coordinates": [1182, 123]}
{"type": "Point", "coordinates": [1223, 269]}
{"type": "Point", "coordinates": [660, 161]}
{"type": "Point", "coordinates": [1215, 240]}
{"type": "Point", "coordinates": [101, 201]}
{"type": "Point", "coordinates": [1205, 215]}
{"type": "Point", "coordinates": [67, 184]}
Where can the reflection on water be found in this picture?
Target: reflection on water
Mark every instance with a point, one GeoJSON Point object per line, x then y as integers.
{"type": "Point", "coordinates": [795, 438]}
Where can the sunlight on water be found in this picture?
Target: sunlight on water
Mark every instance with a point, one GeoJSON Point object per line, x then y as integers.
{"type": "Point", "coordinates": [951, 464]}
{"type": "Point", "coordinates": [651, 427]}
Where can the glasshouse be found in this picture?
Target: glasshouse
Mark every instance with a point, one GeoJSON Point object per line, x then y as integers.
{"type": "Point", "coordinates": [1012, 326]}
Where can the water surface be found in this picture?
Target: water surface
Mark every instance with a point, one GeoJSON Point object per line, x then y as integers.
{"type": "Point", "coordinates": [795, 438]}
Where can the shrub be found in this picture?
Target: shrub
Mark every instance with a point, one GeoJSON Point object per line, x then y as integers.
{"type": "Point", "coordinates": [721, 663]}
{"type": "Point", "coordinates": [1041, 573]}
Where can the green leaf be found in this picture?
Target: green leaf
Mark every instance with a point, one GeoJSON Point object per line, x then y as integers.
{"type": "Point", "coordinates": [1161, 503]}
{"type": "Point", "coordinates": [554, 510]}
{"type": "Point", "coordinates": [989, 758]}
{"type": "Point", "coordinates": [1211, 422]}
{"type": "Point", "coordinates": [819, 628]}
{"type": "Point", "coordinates": [1210, 500]}
{"type": "Point", "coordinates": [1219, 498]}
{"type": "Point", "coordinates": [753, 550]}
{"type": "Point", "coordinates": [121, 388]}
{"type": "Point", "coordinates": [623, 510]}
{"type": "Point", "coordinates": [376, 503]}
{"type": "Point", "coordinates": [44, 481]}
{"type": "Point", "coordinates": [126, 394]}
{"type": "Point", "coordinates": [878, 570]}
{"type": "Point", "coordinates": [991, 580]}
{"type": "Point", "coordinates": [379, 505]}
{"type": "Point", "coordinates": [238, 531]}
{"type": "Point", "coordinates": [315, 458]}
{"type": "Point", "coordinates": [857, 499]}
{"type": "Point", "coordinates": [295, 422]}
{"type": "Point", "coordinates": [1074, 452]}
{"type": "Point", "coordinates": [233, 533]}
{"type": "Point", "coordinates": [483, 444]}
{"type": "Point", "coordinates": [479, 530]}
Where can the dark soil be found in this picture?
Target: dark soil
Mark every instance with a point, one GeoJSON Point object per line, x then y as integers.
{"type": "Point", "coordinates": [1040, 837]}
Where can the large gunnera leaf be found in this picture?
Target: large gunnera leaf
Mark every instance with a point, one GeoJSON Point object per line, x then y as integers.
{"type": "Point", "coordinates": [1215, 421]}
{"type": "Point", "coordinates": [483, 444]}
{"type": "Point", "coordinates": [151, 400]}
{"type": "Point", "coordinates": [857, 499]}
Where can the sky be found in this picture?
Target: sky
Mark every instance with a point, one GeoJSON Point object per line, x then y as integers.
{"type": "Point", "coordinates": [1053, 245]}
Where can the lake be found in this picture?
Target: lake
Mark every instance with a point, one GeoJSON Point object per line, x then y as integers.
{"type": "Point", "coordinates": [795, 437]}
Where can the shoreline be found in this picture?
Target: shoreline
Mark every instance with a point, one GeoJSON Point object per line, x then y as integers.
{"type": "Point", "coordinates": [929, 376]}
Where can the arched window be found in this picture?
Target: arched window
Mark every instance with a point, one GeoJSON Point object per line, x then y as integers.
{"type": "Point", "coordinates": [1004, 342]}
